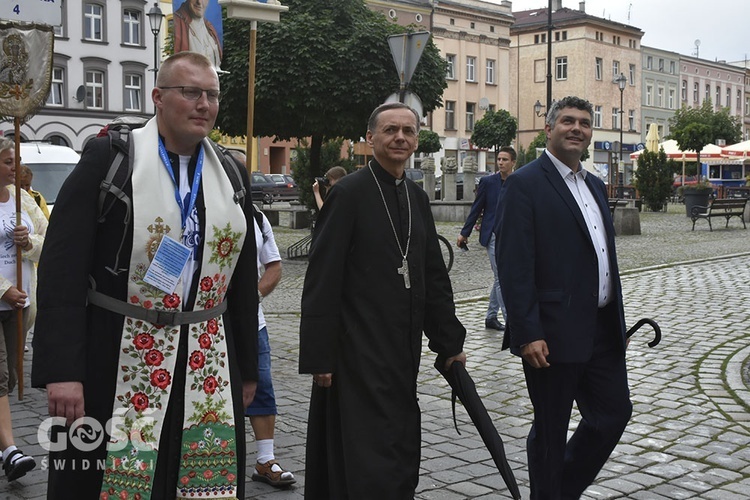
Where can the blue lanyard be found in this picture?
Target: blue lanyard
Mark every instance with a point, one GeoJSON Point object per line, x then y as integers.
{"type": "Point", "coordinates": [184, 211]}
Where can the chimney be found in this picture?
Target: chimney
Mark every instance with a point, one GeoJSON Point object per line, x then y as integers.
{"type": "Point", "coordinates": [582, 6]}
{"type": "Point", "coordinates": [556, 5]}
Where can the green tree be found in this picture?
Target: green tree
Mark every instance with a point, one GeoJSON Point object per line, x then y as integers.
{"type": "Point", "coordinates": [429, 142]}
{"type": "Point", "coordinates": [653, 178]}
{"type": "Point", "coordinates": [694, 128]}
{"type": "Point", "coordinates": [494, 130]}
{"type": "Point", "coordinates": [319, 73]}
{"type": "Point", "coordinates": [330, 156]}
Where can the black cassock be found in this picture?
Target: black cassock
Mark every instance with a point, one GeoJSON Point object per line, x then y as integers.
{"type": "Point", "coordinates": [76, 342]}
{"type": "Point", "coordinates": [362, 324]}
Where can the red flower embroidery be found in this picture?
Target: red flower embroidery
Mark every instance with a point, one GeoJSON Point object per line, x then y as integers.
{"type": "Point", "coordinates": [143, 341]}
{"type": "Point", "coordinates": [154, 357]}
{"type": "Point", "coordinates": [103, 495]}
{"type": "Point", "coordinates": [197, 360]}
{"type": "Point", "coordinates": [208, 473]}
{"type": "Point", "coordinates": [231, 477]}
{"type": "Point", "coordinates": [204, 340]}
{"type": "Point", "coordinates": [160, 378]}
{"type": "Point", "coordinates": [206, 284]}
{"type": "Point", "coordinates": [124, 495]}
{"type": "Point", "coordinates": [148, 304]}
{"type": "Point", "coordinates": [224, 247]}
{"type": "Point", "coordinates": [134, 299]}
{"type": "Point", "coordinates": [171, 301]}
{"type": "Point", "coordinates": [184, 480]}
{"type": "Point", "coordinates": [212, 326]}
{"type": "Point", "coordinates": [210, 385]}
{"type": "Point", "coordinates": [224, 472]}
{"type": "Point", "coordinates": [209, 303]}
{"type": "Point", "coordinates": [140, 401]}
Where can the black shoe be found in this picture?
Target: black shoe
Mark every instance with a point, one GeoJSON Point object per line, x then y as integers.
{"type": "Point", "coordinates": [493, 324]}
{"type": "Point", "coordinates": [19, 468]}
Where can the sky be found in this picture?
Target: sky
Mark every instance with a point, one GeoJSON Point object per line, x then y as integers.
{"type": "Point", "coordinates": [720, 25]}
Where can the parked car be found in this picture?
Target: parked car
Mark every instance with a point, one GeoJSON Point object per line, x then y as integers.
{"type": "Point", "coordinates": [262, 188]}
{"type": "Point", "coordinates": [459, 184]}
{"type": "Point", "coordinates": [416, 175]}
{"type": "Point", "coordinates": [51, 165]}
{"type": "Point", "coordinates": [286, 188]}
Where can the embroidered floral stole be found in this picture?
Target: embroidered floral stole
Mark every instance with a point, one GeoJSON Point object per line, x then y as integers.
{"type": "Point", "coordinates": [148, 352]}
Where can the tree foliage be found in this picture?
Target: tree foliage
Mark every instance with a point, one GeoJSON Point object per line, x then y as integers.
{"type": "Point", "coordinates": [330, 156]}
{"type": "Point", "coordinates": [429, 142]}
{"type": "Point", "coordinates": [653, 178]}
{"type": "Point", "coordinates": [319, 73]}
{"type": "Point", "coordinates": [694, 128]}
{"type": "Point", "coordinates": [494, 130]}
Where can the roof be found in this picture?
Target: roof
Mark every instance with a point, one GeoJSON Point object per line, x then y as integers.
{"type": "Point", "coordinates": [530, 20]}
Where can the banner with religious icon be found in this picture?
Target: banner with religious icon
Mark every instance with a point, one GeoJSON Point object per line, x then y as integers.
{"type": "Point", "coordinates": [198, 28]}
{"type": "Point", "coordinates": [25, 68]}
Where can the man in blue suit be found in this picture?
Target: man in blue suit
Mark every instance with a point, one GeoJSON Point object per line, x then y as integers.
{"type": "Point", "coordinates": [559, 276]}
{"type": "Point", "coordinates": [485, 204]}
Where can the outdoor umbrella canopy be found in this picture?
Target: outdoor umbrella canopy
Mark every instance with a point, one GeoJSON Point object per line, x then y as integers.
{"type": "Point", "coordinates": [652, 138]}
{"type": "Point", "coordinates": [739, 150]}
{"type": "Point", "coordinates": [672, 150]}
{"type": "Point", "coordinates": [464, 388]}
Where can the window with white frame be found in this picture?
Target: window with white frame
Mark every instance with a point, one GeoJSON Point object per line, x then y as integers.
{"type": "Point", "coordinates": [450, 73]}
{"type": "Point", "coordinates": [95, 89]}
{"type": "Point", "coordinates": [695, 92]}
{"type": "Point", "coordinates": [615, 118]}
{"type": "Point", "coordinates": [490, 71]}
{"type": "Point", "coordinates": [684, 90]}
{"type": "Point", "coordinates": [471, 64]}
{"type": "Point", "coordinates": [598, 66]}
{"type": "Point", "coordinates": [597, 117]}
{"type": "Point", "coordinates": [93, 22]}
{"type": "Point", "coordinates": [615, 69]}
{"type": "Point", "coordinates": [131, 27]}
{"type": "Point", "coordinates": [631, 119]}
{"type": "Point", "coordinates": [649, 62]}
{"type": "Point", "coordinates": [729, 97]}
{"type": "Point", "coordinates": [450, 115]}
{"type": "Point", "coordinates": [561, 68]}
{"type": "Point", "coordinates": [57, 88]}
{"type": "Point", "coordinates": [671, 67]}
{"type": "Point", "coordinates": [649, 94]}
{"type": "Point", "coordinates": [631, 74]}
{"type": "Point", "coordinates": [661, 65]}
{"type": "Point", "coordinates": [660, 96]}
{"type": "Point", "coordinates": [670, 98]}
{"type": "Point", "coordinates": [132, 95]}
{"type": "Point", "coordinates": [739, 102]}
{"type": "Point", "coordinates": [718, 96]}
{"type": "Point", "coordinates": [470, 109]}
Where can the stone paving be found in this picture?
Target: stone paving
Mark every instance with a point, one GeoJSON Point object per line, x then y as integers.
{"type": "Point", "coordinates": [690, 432]}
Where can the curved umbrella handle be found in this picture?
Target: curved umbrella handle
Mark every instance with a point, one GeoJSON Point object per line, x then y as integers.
{"type": "Point", "coordinates": [654, 325]}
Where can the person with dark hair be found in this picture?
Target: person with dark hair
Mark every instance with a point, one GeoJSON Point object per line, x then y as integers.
{"type": "Point", "coordinates": [147, 327]}
{"type": "Point", "coordinates": [558, 272]}
{"type": "Point", "coordinates": [331, 177]}
{"type": "Point", "coordinates": [375, 281]}
{"type": "Point", "coordinates": [485, 206]}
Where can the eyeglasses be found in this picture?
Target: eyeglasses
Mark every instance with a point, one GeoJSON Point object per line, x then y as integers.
{"type": "Point", "coordinates": [195, 93]}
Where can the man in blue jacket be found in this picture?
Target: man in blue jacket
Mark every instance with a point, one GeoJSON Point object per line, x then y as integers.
{"type": "Point", "coordinates": [485, 205]}
{"type": "Point", "coordinates": [558, 269]}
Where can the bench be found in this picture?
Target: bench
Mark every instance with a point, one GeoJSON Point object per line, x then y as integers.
{"type": "Point", "coordinates": [616, 202]}
{"type": "Point", "coordinates": [721, 207]}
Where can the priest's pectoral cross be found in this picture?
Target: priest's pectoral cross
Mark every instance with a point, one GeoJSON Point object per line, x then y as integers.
{"type": "Point", "coordinates": [404, 270]}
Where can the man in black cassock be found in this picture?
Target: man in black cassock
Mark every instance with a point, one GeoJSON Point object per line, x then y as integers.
{"type": "Point", "coordinates": [78, 345]}
{"type": "Point", "coordinates": [375, 281]}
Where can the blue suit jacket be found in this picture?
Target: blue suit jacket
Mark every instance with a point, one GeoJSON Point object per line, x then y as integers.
{"type": "Point", "coordinates": [488, 194]}
{"type": "Point", "coordinates": [547, 263]}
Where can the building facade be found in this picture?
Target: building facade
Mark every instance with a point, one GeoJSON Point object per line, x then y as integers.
{"type": "Point", "coordinates": [660, 89]}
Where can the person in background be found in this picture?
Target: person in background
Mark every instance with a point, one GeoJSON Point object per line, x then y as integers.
{"type": "Point", "coordinates": [331, 178]}
{"type": "Point", "coordinates": [193, 32]}
{"type": "Point", "coordinates": [485, 205]}
{"type": "Point", "coordinates": [558, 272]}
{"type": "Point", "coordinates": [30, 237]}
{"type": "Point", "coordinates": [26, 177]}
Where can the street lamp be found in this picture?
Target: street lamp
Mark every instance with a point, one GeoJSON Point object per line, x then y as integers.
{"type": "Point", "coordinates": [621, 81]}
{"type": "Point", "coordinates": [155, 17]}
{"type": "Point", "coordinates": [538, 106]}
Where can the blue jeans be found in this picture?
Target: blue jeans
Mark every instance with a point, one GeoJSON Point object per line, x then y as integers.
{"type": "Point", "coordinates": [265, 399]}
{"type": "Point", "coordinates": [496, 297]}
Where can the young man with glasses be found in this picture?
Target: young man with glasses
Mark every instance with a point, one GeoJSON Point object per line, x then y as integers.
{"type": "Point", "coordinates": [147, 326]}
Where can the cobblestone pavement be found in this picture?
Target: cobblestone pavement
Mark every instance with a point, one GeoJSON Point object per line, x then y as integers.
{"type": "Point", "coordinates": [690, 432]}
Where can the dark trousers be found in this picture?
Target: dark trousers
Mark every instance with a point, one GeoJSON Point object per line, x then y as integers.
{"type": "Point", "coordinates": [561, 469]}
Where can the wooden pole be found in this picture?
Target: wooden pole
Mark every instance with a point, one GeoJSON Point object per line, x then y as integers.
{"type": "Point", "coordinates": [251, 96]}
{"type": "Point", "coordinates": [19, 262]}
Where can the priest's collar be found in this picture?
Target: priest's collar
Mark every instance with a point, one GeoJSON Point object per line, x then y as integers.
{"type": "Point", "coordinates": [384, 176]}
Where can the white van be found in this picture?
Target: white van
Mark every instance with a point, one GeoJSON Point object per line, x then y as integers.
{"type": "Point", "coordinates": [51, 165]}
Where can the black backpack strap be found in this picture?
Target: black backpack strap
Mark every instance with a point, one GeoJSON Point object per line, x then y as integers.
{"type": "Point", "coordinates": [258, 215]}
{"type": "Point", "coordinates": [119, 173]}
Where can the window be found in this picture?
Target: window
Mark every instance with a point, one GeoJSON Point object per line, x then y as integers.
{"type": "Point", "coordinates": [649, 94]}
{"type": "Point", "coordinates": [660, 97]}
{"type": "Point", "coordinates": [599, 64]}
{"type": "Point", "coordinates": [565, 35]}
{"type": "Point", "coordinates": [661, 65]}
{"type": "Point", "coordinates": [561, 66]}
{"type": "Point", "coordinates": [631, 74]}
{"type": "Point", "coordinates": [708, 92]}
{"type": "Point", "coordinates": [649, 62]}
{"type": "Point", "coordinates": [470, 106]}
{"type": "Point", "coordinates": [131, 27]}
{"type": "Point", "coordinates": [450, 115]}
{"type": "Point", "coordinates": [491, 71]}
{"type": "Point", "coordinates": [597, 117]}
{"type": "Point", "coordinates": [57, 88]}
{"type": "Point", "coordinates": [450, 73]}
{"type": "Point", "coordinates": [718, 96]}
{"type": "Point", "coordinates": [471, 63]}
{"type": "Point", "coordinates": [615, 118]}
{"type": "Point", "coordinates": [739, 102]}
{"type": "Point", "coordinates": [695, 92]}
{"type": "Point", "coordinates": [132, 96]}
{"type": "Point", "coordinates": [473, 26]}
{"type": "Point", "coordinates": [95, 89]}
{"type": "Point", "coordinates": [631, 119]}
{"type": "Point", "coordinates": [684, 90]}
{"type": "Point", "coordinates": [93, 20]}
{"type": "Point", "coordinates": [729, 98]}
{"type": "Point", "coordinates": [670, 98]}
{"type": "Point", "coordinates": [615, 69]}
{"type": "Point", "coordinates": [671, 67]}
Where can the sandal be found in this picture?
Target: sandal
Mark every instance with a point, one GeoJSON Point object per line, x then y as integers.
{"type": "Point", "coordinates": [18, 468]}
{"type": "Point", "coordinates": [272, 473]}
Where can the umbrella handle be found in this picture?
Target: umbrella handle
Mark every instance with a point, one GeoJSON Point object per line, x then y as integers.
{"type": "Point", "coordinates": [654, 325]}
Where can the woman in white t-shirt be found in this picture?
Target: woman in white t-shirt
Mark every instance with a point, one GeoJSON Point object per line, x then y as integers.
{"type": "Point", "coordinates": [29, 235]}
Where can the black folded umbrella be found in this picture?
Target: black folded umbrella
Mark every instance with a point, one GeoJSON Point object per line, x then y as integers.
{"type": "Point", "coordinates": [650, 322]}
{"type": "Point", "coordinates": [463, 387]}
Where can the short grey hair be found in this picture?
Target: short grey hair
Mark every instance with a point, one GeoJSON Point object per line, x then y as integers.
{"type": "Point", "coordinates": [6, 143]}
{"type": "Point", "coordinates": [568, 102]}
{"type": "Point", "coordinates": [372, 123]}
